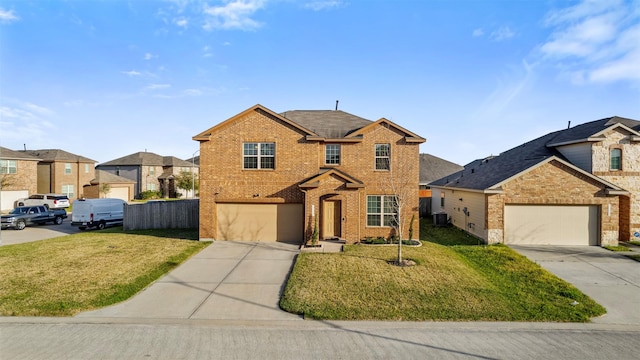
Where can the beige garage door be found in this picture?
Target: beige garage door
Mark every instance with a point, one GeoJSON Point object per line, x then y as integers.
{"type": "Point", "coordinates": [119, 193]}
{"type": "Point", "coordinates": [260, 222]}
{"type": "Point", "coordinates": [551, 225]}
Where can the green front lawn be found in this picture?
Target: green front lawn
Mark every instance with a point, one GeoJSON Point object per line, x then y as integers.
{"type": "Point", "coordinates": [449, 282]}
{"type": "Point", "coordinates": [74, 273]}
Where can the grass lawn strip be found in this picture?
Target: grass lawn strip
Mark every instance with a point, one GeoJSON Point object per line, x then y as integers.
{"type": "Point", "coordinates": [74, 273]}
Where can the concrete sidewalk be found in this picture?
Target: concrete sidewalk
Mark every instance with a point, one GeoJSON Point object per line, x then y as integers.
{"type": "Point", "coordinates": [609, 278]}
{"type": "Point", "coordinates": [228, 280]}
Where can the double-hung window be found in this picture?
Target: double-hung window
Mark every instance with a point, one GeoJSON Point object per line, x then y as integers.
{"type": "Point", "coordinates": [615, 162]}
{"type": "Point", "coordinates": [8, 167]}
{"type": "Point", "coordinates": [259, 156]}
{"type": "Point", "coordinates": [67, 168]}
{"type": "Point", "coordinates": [68, 190]}
{"type": "Point", "coordinates": [382, 156]}
{"type": "Point", "coordinates": [381, 210]}
{"type": "Point", "coordinates": [332, 154]}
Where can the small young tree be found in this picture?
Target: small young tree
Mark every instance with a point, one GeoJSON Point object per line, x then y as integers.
{"type": "Point", "coordinates": [105, 189]}
{"type": "Point", "coordinates": [187, 181]}
{"type": "Point", "coordinates": [5, 181]}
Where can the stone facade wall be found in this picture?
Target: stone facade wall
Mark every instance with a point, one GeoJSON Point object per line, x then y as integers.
{"type": "Point", "coordinates": [554, 183]}
{"type": "Point", "coordinates": [223, 178]}
{"type": "Point", "coordinates": [628, 178]}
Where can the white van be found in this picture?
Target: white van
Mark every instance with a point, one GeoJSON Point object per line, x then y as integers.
{"type": "Point", "coordinates": [98, 213]}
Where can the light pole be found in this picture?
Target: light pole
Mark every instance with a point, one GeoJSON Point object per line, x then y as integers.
{"type": "Point", "coordinates": [193, 175]}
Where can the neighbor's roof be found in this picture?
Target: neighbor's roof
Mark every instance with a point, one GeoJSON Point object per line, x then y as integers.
{"type": "Point", "coordinates": [332, 124]}
{"type": "Point", "coordinates": [147, 159]}
{"type": "Point", "coordinates": [8, 154]}
{"type": "Point", "coordinates": [57, 155]}
{"type": "Point", "coordinates": [487, 173]}
{"type": "Point", "coordinates": [104, 177]}
{"type": "Point", "coordinates": [433, 168]}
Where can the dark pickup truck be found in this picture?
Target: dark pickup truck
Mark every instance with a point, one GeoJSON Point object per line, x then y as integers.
{"type": "Point", "coordinates": [22, 216]}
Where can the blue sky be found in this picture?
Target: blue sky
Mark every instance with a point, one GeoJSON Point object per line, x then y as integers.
{"type": "Point", "coordinates": [105, 79]}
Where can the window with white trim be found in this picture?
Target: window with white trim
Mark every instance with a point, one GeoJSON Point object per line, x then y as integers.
{"type": "Point", "coordinates": [332, 154]}
{"type": "Point", "coordinates": [259, 156]}
{"type": "Point", "coordinates": [151, 186]}
{"type": "Point", "coordinates": [382, 156]}
{"type": "Point", "coordinates": [152, 170]}
{"type": "Point", "coordinates": [68, 190]}
{"type": "Point", "coordinates": [86, 168]}
{"type": "Point", "coordinates": [381, 210]}
{"type": "Point", "coordinates": [8, 167]}
{"type": "Point", "coordinates": [615, 161]}
{"type": "Point", "coordinates": [67, 168]}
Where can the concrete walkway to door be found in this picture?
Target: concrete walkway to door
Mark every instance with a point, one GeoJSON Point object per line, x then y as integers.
{"type": "Point", "coordinates": [228, 280]}
{"type": "Point", "coordinates": [609, 278]}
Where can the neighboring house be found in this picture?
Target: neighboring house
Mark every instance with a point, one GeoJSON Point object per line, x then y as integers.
{"type": "Point", "coordinates": [62, 172]}
{"type": "Point", "coordinates": [18, 176]}
{"type": "Point", "coordinates": [269, 177]}
{"type": "Point", "coordinates": [107, 185]}
{"type": "Point", "coordinates": [578, 186]}
{"type": "Point", "coordinates": [432, 168]}
{"type": "Point", "coordinates": [150, 171]}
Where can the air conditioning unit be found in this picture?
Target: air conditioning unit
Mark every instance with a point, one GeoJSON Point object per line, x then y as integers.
{"type": "Point", "coordinates": [440, 219]}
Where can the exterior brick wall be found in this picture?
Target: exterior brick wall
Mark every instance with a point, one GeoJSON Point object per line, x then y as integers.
{"type": "Point", "coordinates": [223, 178]}
{"type": "Point", "coordinates": [25, 178]}
{"type": "Point", "coordinates": [78, 177]}
{"type": "Point", "coordinates": [628, 178]}
{"type": "Point", "coordinates": [554, 183]}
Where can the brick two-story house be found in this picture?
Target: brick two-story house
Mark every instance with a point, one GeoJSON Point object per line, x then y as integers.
{"type": "Point", "coordinates": [19, 176]}
{"type": "Point", "coordinates": [577, 186]}
{"type": "Point", "coordinates": [150, 171]}
{"type": "Point", "coordinates": [267, 176]}
{"type": "Point", "coordinates": [62, 172]}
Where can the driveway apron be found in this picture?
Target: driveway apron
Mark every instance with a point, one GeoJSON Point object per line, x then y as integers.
{"type": "Point", "coordinates": [609, 278]}
{"type": "Point", "coordinates": [228, 280]}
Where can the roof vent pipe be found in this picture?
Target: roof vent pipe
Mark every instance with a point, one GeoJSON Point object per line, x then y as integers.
{"type": "Point", "coordinates": [337, 104]}
{"type": "Point", "coordinates": [569, 124]}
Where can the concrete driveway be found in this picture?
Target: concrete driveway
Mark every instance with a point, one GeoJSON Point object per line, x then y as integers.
{"type": "Point", "coordinates": [229, 280]}
{"type": "Point", "coordinates": [610, 278]}
{"type": "Point", "coordinates": [37, 232]}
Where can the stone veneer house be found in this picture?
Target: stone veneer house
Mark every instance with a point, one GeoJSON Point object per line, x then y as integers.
{"type": "Point", "coordinates": [150, 171]}
{"type": "Point", "coordinates": [62, 172]}
{"type": "Point", "coordinates": [578, 186]}
{"type": "Point", "coordinates": [19, 176]}
{"type": "Point", "coordinates": [269, 177]}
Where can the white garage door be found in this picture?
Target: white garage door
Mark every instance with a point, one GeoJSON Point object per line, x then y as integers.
{"type": "Point", "coordinates": [260, 222]}
{"type": "Point", "coordinates": [119, 193]}
{"type": "Point", "coordinates": [551, 225]}
{"type": "Point", "coordinates": [10, 196]}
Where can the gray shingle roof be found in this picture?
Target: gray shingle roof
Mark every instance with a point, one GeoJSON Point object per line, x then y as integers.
{"type": "Point", "coordinates": [485, 173]}
{"type": "Point", "coordinates": [104, 177]}
{"type": "Point", "coordinates": [147, 159]}
{"type": "Point", "coordinates": [331, 124]}
{"type": "Point", "coordinates": [8, 154]}
{"type": "Point", "coordinates": [433, 168]}
{"type": "Point", "coordinates": [57, 155]}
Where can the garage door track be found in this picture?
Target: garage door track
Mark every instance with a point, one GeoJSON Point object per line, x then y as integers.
{"type": "Point", "coordinates": [609, 278]}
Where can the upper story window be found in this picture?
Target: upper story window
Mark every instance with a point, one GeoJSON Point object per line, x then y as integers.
{"type": "Point", "coordinates": [152, 170]}
{"type": "Point", "coordinates": [86, 168]}
{"type": "Point", "coordinates": [67, 168]}
{"type": "Point", "coordinates": [8, 167]}
{"type": "Point", "coordinates": [382, 156]}
{"type": "Point", "coordinates": [259, 156]}
{"type": "Point", "coordinates": [332, 154]}
{"type": "Point", "coordinates": [615, 160]}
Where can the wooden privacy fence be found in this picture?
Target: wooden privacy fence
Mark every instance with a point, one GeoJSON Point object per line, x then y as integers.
{"type": "Point", "coordinates": [179, 214]}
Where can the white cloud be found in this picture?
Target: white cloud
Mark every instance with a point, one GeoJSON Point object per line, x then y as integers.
{"type": "Point", "coordinates": [7, 16]}
{"type": "Point", "coordinates": [192, 92]}
{"type": "Point", "coordinates": [132, 73]}
{"type": "Point", "coordinates": [503, 33]}
{"type": "Point", "coordinates": [149, 56]}
{"type": "Point", "coordinates": [323, 5]}
{"type": "Point", "coordinates": [478, 32]}
{"type": "Point", "coordinates": [157, 86]}
{"type": "Point", "coordinates": [207, 51]}
{"type": "Point", "coordinates": [595, 41]}
{"type": "Point", "coordinates": [181, 21]}
{"type": "Point", "coordinates": [234, 14]}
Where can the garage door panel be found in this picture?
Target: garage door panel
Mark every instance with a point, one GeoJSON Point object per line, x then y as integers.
{"type": "Point", "coordinates": [119, 193]}
{"type": "Point", "coordinates": [260, 222]}
{"type": "Point", "coordinates": [551, 225]}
